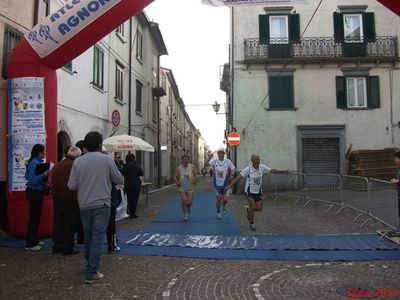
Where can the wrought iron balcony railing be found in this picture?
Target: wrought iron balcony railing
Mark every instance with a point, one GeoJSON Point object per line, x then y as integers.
{"type": "Point", "coordinates": [322, 48]}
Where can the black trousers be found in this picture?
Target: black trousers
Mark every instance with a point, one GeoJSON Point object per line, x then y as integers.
{"type": "Point", "coordinates": [66, 214]}
{"type": "Point", "coordinates": [112, 230]}
{"type": "Point", "coordinates": [35, 199]}
{"type": "Point", "coordinates": [132, 199]}
{"type": "Point", "coordinates": [80, 236]}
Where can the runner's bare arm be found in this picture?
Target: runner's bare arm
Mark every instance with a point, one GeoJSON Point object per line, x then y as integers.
{"type": "Point", "coordinates": [207, 162]}
{"type": "Point", "coordinates": [277, 171]}
{"type": "Point", "coordinates": [176, 178]}
{"type": "Point", "coordinates": [236, 179]}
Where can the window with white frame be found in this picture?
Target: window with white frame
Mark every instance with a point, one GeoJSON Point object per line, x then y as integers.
{"type": "Point", "coordinates": [98, 67]}
{"type": "Point", "coordinates": [119, 82]}
{"type": "Point", "coordinates": [139, 86]}
{"type": "Point", "coordinates": [356, 92]}
{"type": "Point", "coordinates": [139, 45]}
{"type": "Point", "coordinates": [11, 38]}
{"type": "Point", "coordinates": [353, 28]}
{"type": "Point", "coordinates": [121, 29]}
{"type": "Point", "coordinates": [278, 29]}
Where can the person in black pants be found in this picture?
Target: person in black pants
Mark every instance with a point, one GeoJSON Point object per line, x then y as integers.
{"type": "Point", "coordinates": [112, 241]}
{"type": "Point", "coordinates": [66, 208]}
{"type": "Point", "coordinates": [35, 187]}
{"type": "Point", "coordinates": [397, 179]}
{"type": "Point", "coordinates": [79, 229]}
{"type": "Point", "coordinates": [133, 184]}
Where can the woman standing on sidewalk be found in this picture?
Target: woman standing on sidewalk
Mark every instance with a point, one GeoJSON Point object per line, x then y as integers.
{"type": "Point", "coordinates": [185, 179]}
{"type": "Point", "coordinates": [35, 187]}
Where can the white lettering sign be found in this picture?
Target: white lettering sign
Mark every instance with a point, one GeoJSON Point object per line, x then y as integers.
{"type": "Point", "coordinates": [65, 23]}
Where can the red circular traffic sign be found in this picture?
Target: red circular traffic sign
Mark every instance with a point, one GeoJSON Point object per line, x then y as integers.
{"type": "Point", "coordinates": [115, 117]}
{"type": "Point", "coordinates": [234, 138]}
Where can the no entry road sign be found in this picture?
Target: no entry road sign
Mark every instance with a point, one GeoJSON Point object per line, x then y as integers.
{"type": "Point", "coordinates": [234, 138]}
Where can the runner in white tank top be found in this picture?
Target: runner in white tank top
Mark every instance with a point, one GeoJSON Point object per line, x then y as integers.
{"type": "Point", "coordinates": [253, 189]}
{"type": "Point", "coordinates": [223, 169]}
{"type": "Point", "coordinates": [185, 179]}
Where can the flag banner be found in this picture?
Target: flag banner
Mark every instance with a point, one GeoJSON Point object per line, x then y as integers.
{"type": "Point", "coordinates": [26, 125]}
{"type": "Point", "coordinates": [252, 2]}
{"type": "Point", "coordinates": [65, 23]}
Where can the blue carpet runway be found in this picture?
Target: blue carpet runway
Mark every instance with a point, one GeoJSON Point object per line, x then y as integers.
{"type": "Point", "coordinates": [206, 237]}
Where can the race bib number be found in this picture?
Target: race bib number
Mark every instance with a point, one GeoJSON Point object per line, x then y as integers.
{"type": "Point", "coordinates": [257, 181]}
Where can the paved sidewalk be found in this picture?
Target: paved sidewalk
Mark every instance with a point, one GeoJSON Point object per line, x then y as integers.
{"type": "Point", "coordinates": [42, 275]}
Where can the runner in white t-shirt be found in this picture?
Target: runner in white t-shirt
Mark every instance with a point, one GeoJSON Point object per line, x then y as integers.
{"type": "Point", "coordinates": [222, 169]}
{"type": "Point", "coordinates": [185, 178]}
{"type": "Point", "coordinates": [253, 188]}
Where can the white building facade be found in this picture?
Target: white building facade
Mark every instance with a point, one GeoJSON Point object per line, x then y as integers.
{"type": "Point", "coordinates": [305, 89]}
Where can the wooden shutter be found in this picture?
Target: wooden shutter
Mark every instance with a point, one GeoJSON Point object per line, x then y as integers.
{"type": "Point", "coordinates": [281, 95]}
{"type": "Point", "coordinates": [338, 27]}
{"type": "Point", "coordinates": [263, 30]}
{"type": "Point", "coordinates": [294, 23]}
{"type": "Point", "coordinates": [369, 27]}
{"type": "Point", "coordinates": [341, 94]}
{"type": "Point", "coordinates": [373, 92]}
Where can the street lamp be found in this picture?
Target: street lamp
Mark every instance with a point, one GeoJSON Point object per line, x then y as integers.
{"type": "Point", "coordinates": [216, 106]}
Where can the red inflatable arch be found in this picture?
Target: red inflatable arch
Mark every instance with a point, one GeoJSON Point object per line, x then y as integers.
{"type": "Point", "coordinates": [393, 5]}
{"type": "Point", "coordinates": [63, 36]}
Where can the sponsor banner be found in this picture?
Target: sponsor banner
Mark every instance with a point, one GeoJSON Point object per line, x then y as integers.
{"type": "Point", "coordinates": [252, 2]}
{"type": "Point", "coordinates": [65, 23]}
{"type": "Point", "coordinates": [26, 125]}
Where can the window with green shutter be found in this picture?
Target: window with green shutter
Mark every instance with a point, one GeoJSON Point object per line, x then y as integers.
{"type": "Point", "coordinates": [281, 92]}
{"type": "Point", "coordinates": [354, 30]}
{"type": "Point", "coordinates": [279, 32]}
{"type": "Point", "coordinates": [357, 92]}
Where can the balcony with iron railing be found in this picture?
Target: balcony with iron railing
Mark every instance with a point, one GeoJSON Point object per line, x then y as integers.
{"type": "Point", "coordinates": [321, 49]}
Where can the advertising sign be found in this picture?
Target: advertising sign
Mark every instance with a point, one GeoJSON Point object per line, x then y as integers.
{"type": "Point", "coordinates": [26, 125]}
{"type": "Point", "coordinates": [65, 23]}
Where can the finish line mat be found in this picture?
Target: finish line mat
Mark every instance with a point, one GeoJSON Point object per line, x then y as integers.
{"type": "Point", "coordinates": [206, 237]}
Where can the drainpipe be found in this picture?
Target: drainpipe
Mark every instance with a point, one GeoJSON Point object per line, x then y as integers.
{"type": "Point", "coordinates": [130, 79]}
{"type": "Point", "coordinates": [232, 60]}
{"type": "Point", "coordinates": [159, 169]}
{"type": "Point", "coordinates": [36, 12]}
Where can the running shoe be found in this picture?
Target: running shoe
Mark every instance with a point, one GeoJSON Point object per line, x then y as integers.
{"type": "Point", "coordinates": [219, 216]}
{"type": "Point", "coordinates": [34, 248]}
{"type": "Point", "coordinates": [252, 227]}
{"type": "Point", "coordinates": [94, 278]}
{"type": "Point", "coordinates": [186, 217]}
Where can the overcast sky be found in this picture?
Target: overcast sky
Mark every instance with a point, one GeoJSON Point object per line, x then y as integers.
{"type": "Point", "coordinates": [197, 40]}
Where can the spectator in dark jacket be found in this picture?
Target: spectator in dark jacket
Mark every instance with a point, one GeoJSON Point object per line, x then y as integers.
{"type": "Point", "coordinates": [116, 198]}
{"type": "Point", "coordinates": [133, 183]}
{"type": "Point", "coordinates": [66, 208]}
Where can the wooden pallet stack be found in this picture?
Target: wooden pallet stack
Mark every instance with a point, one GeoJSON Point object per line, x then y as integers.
{"type": "Point", "coordinates": [378, 164]}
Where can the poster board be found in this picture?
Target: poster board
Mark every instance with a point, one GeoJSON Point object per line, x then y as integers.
{"type": "Point", "coordinates": [26, 125]}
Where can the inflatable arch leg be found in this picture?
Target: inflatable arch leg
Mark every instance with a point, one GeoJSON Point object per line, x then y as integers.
{"type": "Point", "coordinates": [61, 37]}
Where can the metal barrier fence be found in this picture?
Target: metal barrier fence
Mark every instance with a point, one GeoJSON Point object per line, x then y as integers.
{"type": "Point", "coordinates": [384, 202]}
{"type": "Point", "coordinates": [371, 198]}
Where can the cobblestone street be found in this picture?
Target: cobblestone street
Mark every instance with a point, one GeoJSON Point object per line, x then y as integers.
{"type": "Point", "coordinates": [42, 275]}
